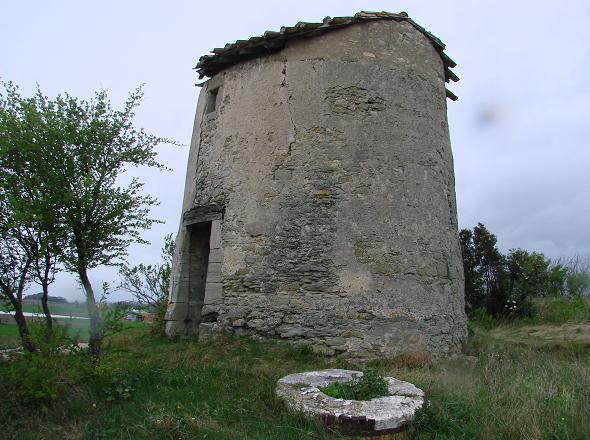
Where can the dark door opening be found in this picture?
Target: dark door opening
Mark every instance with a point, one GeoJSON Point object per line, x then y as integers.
{"type": "Point", "coordinates": [200, 234]}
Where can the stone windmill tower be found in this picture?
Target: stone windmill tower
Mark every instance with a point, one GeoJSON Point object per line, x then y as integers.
{"type": "Point", "coordinates": [319, 202]}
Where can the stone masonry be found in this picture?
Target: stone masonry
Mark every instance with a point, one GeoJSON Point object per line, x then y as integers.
{"type": "Point", "coordinates": [319, 203]}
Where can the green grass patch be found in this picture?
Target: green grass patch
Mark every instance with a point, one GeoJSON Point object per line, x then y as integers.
{"type": "Point", "coordinates": [76, 328]}
{"type": "Point", "coordinates": [146, 388]}
{"type": "Point", "coordinates": [220, 389]}
{"type": "Point", "coordinates": [508, 391]}
{"type": "Point", "coordinates": [9, 336]}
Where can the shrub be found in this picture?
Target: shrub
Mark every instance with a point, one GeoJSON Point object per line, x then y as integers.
{"type": "Point", "coordinates": [578, 283]}
{"type": "Point", "coordinates": [35, 379]}
{"type": "Point", "coordinates": [121, 386]}
{"type": "Point", "coordinates": [562, 310]}
{"type": "Point", "coordinates": [366, 387]}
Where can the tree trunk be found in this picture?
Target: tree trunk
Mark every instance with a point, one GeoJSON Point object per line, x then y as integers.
{"type": "Point", "coordinates": [23, 329]}
{"type": "Point", "coordinates": [93, 314]}
{"type": "Point", "coordinates": [47, 271]}
{"type": "Point", "coordinates": [16, 299]}
{"type": "Point", "coordinates": [45, 306]}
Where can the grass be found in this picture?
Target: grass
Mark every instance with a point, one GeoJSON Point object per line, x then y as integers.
{"type": "Point", "coordinates": [224, 389]}
{"type": "Point", "coordinates": [543, 335]}
{"type": "Point", "coordinates": [77, 328]}
{"type": "Point", "coordinates": [509, 391]}
{"type": "Point", "coordinates": [9, 336]}
{"type": "Point", "coordinates": [560, 310]}
{"type": "Point", "coordinates": [216, 390]}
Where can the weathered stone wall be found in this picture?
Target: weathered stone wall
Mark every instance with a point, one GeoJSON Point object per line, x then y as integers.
{"type": "Point", "coordinates": [332, 162]}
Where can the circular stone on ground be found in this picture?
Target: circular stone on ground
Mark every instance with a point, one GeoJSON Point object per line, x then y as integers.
{"type": "Point", "coordinates": [379, 416]}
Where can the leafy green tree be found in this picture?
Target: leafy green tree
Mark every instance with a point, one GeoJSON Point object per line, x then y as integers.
{"type": "Point", "coordinates": [529, 276]}
{"type": "Point", "coordinates": [485, 271]}
{"type": "Point", "coordinates": [77, 152]}
{"type": "Point", "coordinates": [492, 269]}
{"type": "Point", "coordinates": [27, 251]}
{"type": "Point", "coordinates": [557, 279]}
{"type": "Point", "coordinates": [578, 283]}
{"type": "Point", "coordinates": [474, 293]}
{"type": "Point", "coordinates": [25, 216]}
{"type": "Point", "coordinates": [529, 272]}
{"type": "Point", "coordinates": [14, 275]}
{"type": "Point", "coordinates": [504, 285]}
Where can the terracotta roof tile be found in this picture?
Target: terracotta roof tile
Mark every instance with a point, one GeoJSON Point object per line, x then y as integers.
{"type": "Point", "coordinates": [272, 41]}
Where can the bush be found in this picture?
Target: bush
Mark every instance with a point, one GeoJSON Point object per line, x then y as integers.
{"type": "Point", "coordinates": [366, 387]}
{"type": "Point", "coordinates": [562, 310]}
{"type": "Point", "coordinates": [35, 379]}
{"type": "Point", "coordinates": [578, 283]}
{"type": "Point", "coordinates": [121, 386]}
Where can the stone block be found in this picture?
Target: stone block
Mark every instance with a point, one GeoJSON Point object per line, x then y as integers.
{"type": "Point", "coordinates": [214, 272]}
{"type": "Point", "coordinates": [292, 331]}
{"type": "Point", "coordinates": [175, 328]}
{"type": "Point", "coordinates": [215, 239]}
{"type": "Point", "coordinates": [335, 342]}
{"type": "Point", "coordinates": [208, 330]}
{"type": "Point", "coordinates": [210, 309]}
{"type": "Point", "coordinates": [176, 311]}
{"type": "Point", "coordinates": [323, 349]}
{"type": "Point", "coordinates": [255, 323]}
{"type": "Point", "coordinates": [291, 319]}
{"type": "Point", "coordinates": [283, 174]}
{"type": "Point", "coordinates": [215, 256]}
{"type": "Point", "coordinates": [213, 293]}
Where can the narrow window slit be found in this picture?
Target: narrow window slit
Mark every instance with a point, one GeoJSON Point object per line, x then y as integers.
{"type": "Point", "coordinates": [211, 104]}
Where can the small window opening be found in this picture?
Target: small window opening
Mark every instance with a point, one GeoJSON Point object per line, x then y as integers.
{"type": "Point", "coordinates": [211, 103]}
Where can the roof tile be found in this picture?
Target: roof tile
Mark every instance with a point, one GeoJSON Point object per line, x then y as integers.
{"type": "Point", "coordinates": [272, 41]}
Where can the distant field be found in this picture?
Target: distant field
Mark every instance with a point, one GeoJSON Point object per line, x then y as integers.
{"type": "Point", "coordinates": [77, 328]}
{"type": "Point", "coordinates": [69, 309]}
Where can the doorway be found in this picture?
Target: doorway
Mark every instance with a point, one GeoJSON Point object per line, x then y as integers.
{"type": "Point", "coordinates": [200, 235]}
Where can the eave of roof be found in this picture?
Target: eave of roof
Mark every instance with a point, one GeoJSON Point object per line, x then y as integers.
{"type": "Point", "coordinates": [270, 42]}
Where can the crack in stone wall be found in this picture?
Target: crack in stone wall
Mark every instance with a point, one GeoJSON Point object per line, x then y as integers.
{"type": "Point", "coordinates": [288, 97]}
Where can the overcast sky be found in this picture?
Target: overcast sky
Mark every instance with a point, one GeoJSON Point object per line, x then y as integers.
{"type": "Point", "coordinates": [520, 130]}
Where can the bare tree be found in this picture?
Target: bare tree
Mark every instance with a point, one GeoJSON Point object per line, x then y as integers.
{"type": "Point", "coordinates": [149, 284]}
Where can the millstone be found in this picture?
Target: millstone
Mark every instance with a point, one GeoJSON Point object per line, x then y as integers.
{"type": "Point", "coordinates": [377, 416]}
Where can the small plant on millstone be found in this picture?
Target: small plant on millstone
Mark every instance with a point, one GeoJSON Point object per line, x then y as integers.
{"type": "Point", "coordinates": [366, 387]}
